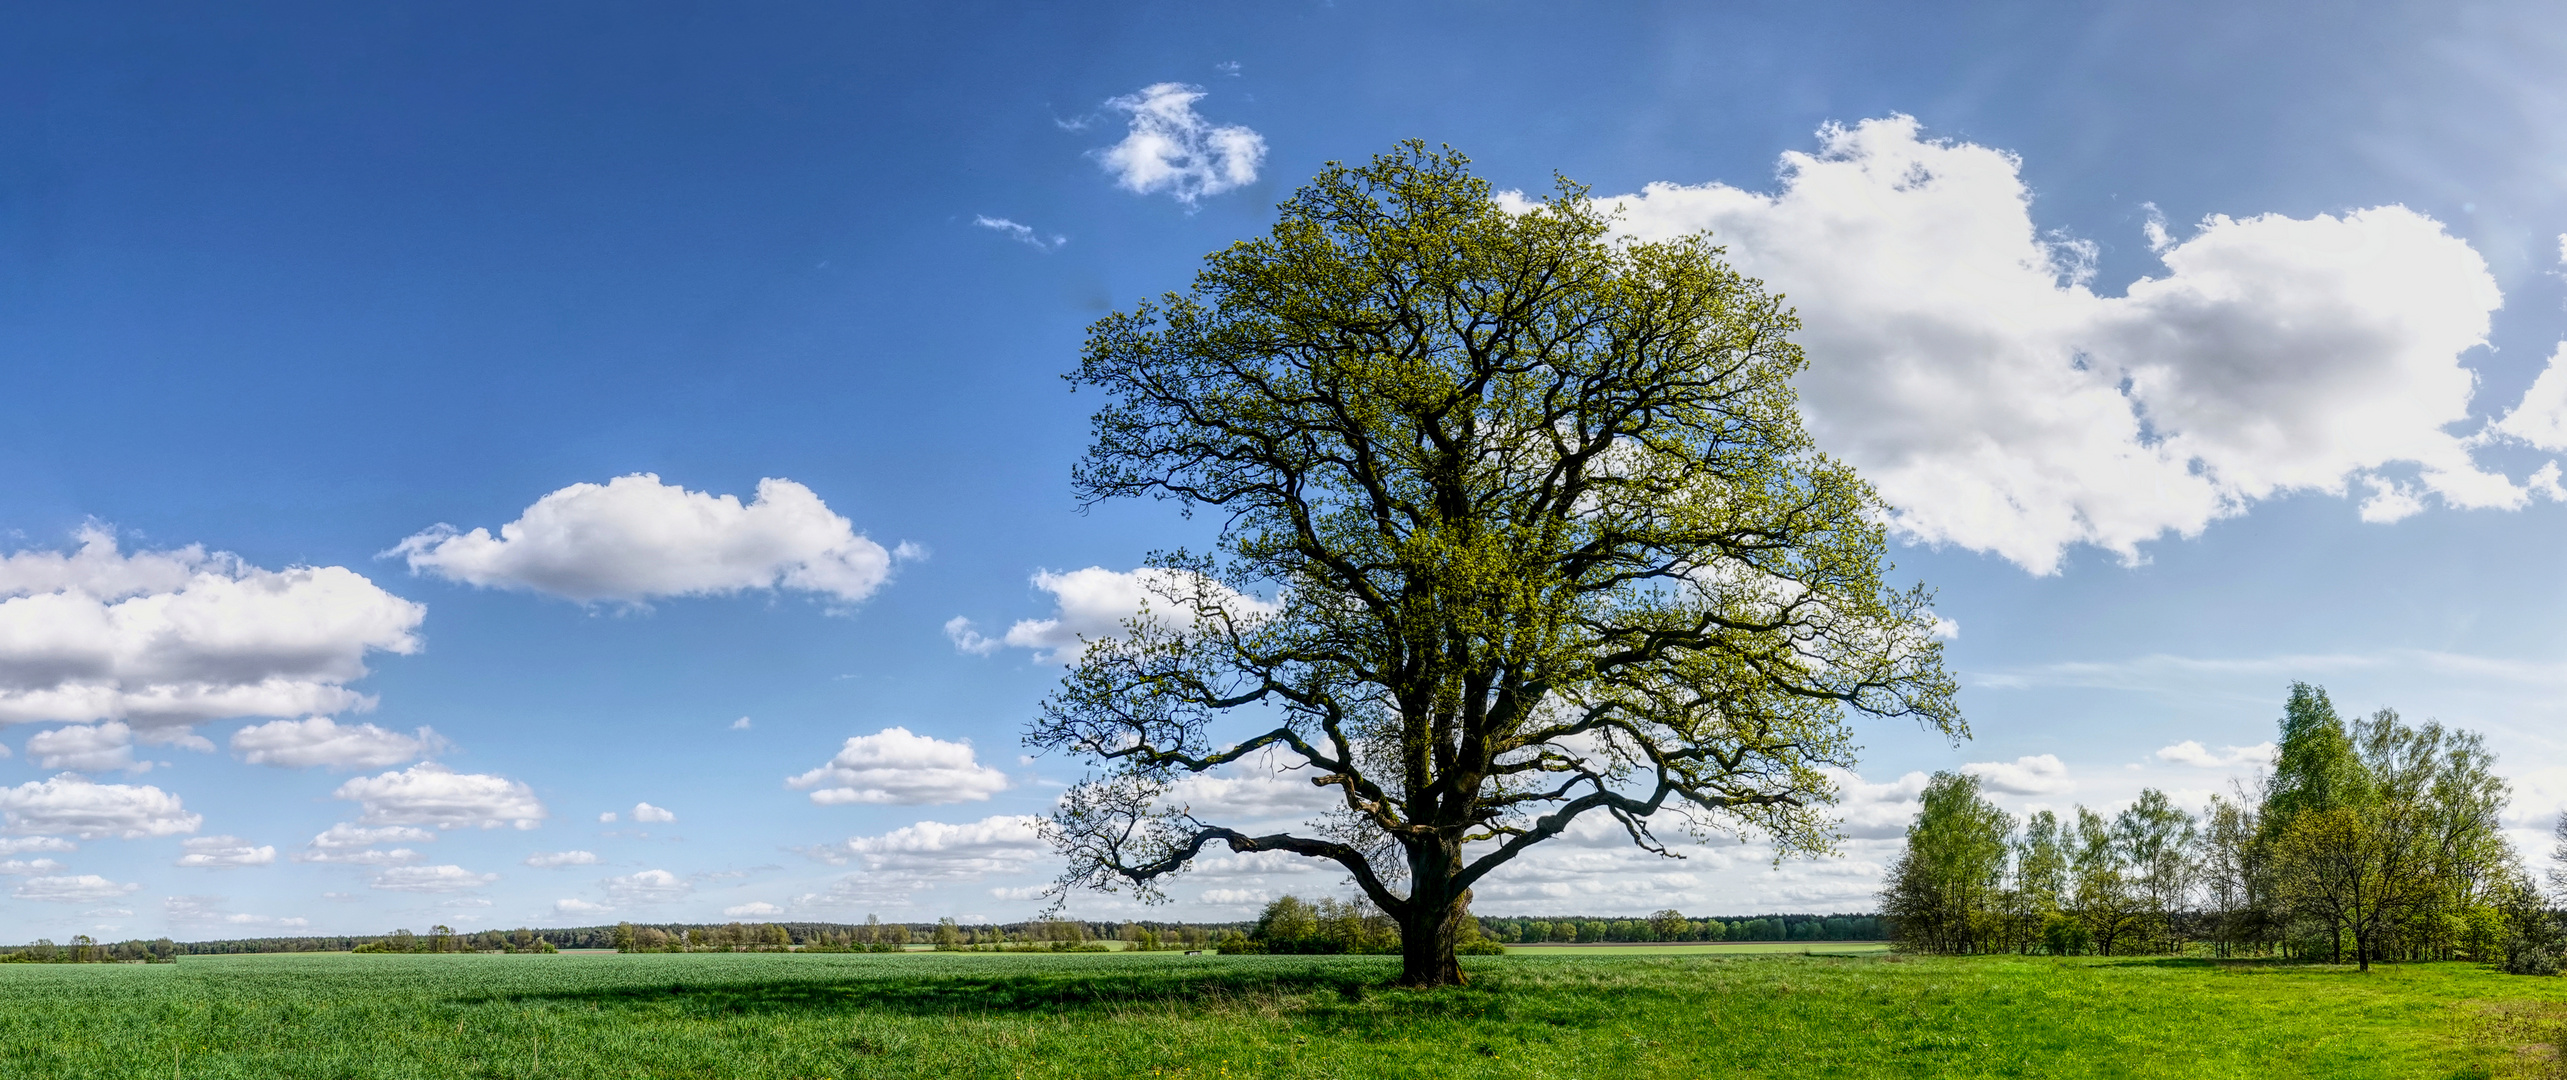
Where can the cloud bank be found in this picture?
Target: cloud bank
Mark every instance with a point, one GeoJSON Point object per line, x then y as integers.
{"type": "Point", "coordinates": [1960, 360]}
{"type": "Point", "coordinates": [165, 639]}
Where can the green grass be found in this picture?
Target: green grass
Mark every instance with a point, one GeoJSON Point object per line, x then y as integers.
{"type": "Point", "coordinates": [1594, 1014]}
{"type": "Point", "coordinates": [1709, 948]}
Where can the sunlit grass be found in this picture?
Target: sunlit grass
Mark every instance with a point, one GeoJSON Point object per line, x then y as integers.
{"type": "Point", "coordinates": [1165, 1015]}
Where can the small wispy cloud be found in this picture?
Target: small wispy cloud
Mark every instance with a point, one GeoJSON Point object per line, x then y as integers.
{"type": "Point", "coordinates": [1023, 234]}
{"type": "Point", "coordinates": [2191, 752]}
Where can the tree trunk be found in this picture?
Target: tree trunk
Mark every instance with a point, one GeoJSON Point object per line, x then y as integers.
{"type": "Point", "coordinates": [1431, 925]}
{"type": "Point", "coordinates": [1426, 948]}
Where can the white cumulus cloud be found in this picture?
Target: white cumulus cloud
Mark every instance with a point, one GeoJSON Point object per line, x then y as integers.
{"type": "Point", "coordinates": [83, 889]}
{"type": "Point", "coordinates": [400, 856]}
{"type": "Point", "coordinates": [2540, 418]}
{"type": "Point", "coordinates": [634, 538]}
{"type": "Point", "coordinates": [930, 852]}
{"type": "Point", "coordinates": [319, 740]}
{"type": "Point", "coordinates": [431, 794]}
{"type": "Point", "coordinates": [1959, 359]}
{"type": "Point", "coordinates": [87, 748]}
{"type": "Point", "coordinates": [344, 835]}
{"type": "Point", "coordinates": [78, 806]}
{"type": "Point", "coordinates": [577, 906]}
{"type": "Point", "coordinates": [549, 859]}
{"type": "Point", "coordinates": [1871, 811]}
{"type": "Point", "coordinates": [648, 887]}
{"type": "Point", "coordinates": [208, 911]}
{"type": "Point", "coordinates": [26, 867]}
{"type": "Point", "coordinates": [648, 814]}
{"type": "Point", "coordinates": [2190, 752]}
{"type": "Point", "coordinates": [752, 909]}
{"type": "Point", "coordinates": [223, 851]}
{"type": "Point", "coordinates": [431, 879]}
{"type": "Point", "coordinates": [165, 639]}
{"type": "Point", "coordinates": [1094, 604]}
{"type": "Point", "coordinates": [895, 766]}
{"type": "Point", "coordinates": [2032, 774]}
{"type": "Point", "coordinates": [1171, 148]}
{"type": "Point", "coordinates": [19, 845]}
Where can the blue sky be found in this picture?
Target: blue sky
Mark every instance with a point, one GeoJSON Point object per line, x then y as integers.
{"type": "Point", "coordinates": [2200, 348]}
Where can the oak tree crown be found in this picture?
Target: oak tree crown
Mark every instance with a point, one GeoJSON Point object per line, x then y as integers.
{"type": "Point", "coordinates": [1542, 535]}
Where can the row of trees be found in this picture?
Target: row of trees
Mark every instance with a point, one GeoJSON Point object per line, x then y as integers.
{"type": "Point", "coordinates": [1329, 925]}
{"type": "Point", "coordinates": [1671, 925]}
{"type": "Point", "coordinates": [2368, 840]}
{"type": "Point", "coordinates": [1288, 925]}
{"type": "Point", "coordinates": [945, 935]}
{"type": "Point", "coordinates": [444, 939]}
{"type": "Point", "coordinates": [730, 937]}
{"type": "Point", "coordinates": [87, 950]}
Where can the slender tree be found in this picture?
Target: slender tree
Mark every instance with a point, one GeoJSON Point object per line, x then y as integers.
{"type": "Point", "coordinates": [2236, 876]}
{"type": "Point", "coordinates": [2102, 895]}
{"type": "Point", "coordinates": [2040, 891]}
{"type": "Point", "coordinates": [2156, 841]}
{"type": "Point", "coordinates": [1942, 890]}
{"type": "Point", "coordinates": [1539, 535]}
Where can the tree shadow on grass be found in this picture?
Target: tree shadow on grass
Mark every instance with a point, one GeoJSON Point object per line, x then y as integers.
{"type": "Point", "coordinates": [930, 995]}
{"type": "Point", "coordinates": [1341, 997]}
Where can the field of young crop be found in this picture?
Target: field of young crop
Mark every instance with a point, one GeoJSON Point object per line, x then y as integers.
{"type": "Point", "coordinates": [780, 1016]}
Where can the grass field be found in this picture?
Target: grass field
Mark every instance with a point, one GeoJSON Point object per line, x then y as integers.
{"type": "Point", "coordinates": [1592, 1014]}
{"type": "Point", "coordinates": [1709, 948]}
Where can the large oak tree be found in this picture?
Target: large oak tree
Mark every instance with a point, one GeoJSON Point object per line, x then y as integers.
{"type": "Point", "coordinates": [1540, 533]}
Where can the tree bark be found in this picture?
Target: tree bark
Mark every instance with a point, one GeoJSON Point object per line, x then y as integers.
{"type": "Point", "coordinates": [1431, 924]}
{"type": "Point", "coordinates": [1426, 940]}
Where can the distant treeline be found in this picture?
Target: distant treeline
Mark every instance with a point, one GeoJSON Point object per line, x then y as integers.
{"type": "Point", "coordinates": [1672, 925]}
{"type": "Point", "coordinates": [86, 950]}
{"type": "Point", "coordinates": [1290, 934]}
{"type": "Point", "coordinates": [810, 936]}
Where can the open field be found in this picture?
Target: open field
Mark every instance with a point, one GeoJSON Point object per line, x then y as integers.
{"type": "Point", "coordinates": [1602, 1014]}
{"type": "Point", "coordinates": [1708, 948]}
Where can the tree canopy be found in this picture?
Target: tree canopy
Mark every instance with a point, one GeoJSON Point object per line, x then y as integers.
{"type": "Point", "coordinates": [1519, 524]}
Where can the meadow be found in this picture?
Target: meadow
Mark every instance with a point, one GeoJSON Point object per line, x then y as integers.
{"type": "Point", "coordinates": [1596, 1014]}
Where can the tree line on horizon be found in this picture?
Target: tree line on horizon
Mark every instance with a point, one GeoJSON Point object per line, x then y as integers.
{"type": "Point", "coordinates": [1662, 926]}
{"type": "Point", "coordinates": [2366, 841]}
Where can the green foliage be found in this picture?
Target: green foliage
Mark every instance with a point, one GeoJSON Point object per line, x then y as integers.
{"type": "Point", "coordinates": [85, 950]}
{"type": "Point", "coordinates": [1543, 533]}
{"type": "Point", "coordinates": [1056, 1017]}
{"type": "Point", "coordinates": [2371, 840]}
{"type": "Point", "coordinates": [1291, 925]}
{"type": "Point", "coordinates": [2314, 765]}
{"type": "Point", "coordinates": [1941, 892]}
{"type": "Point", "coordinates": [2384, 837]}
{"type": "Point", "coordinates": [2065, 936]}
